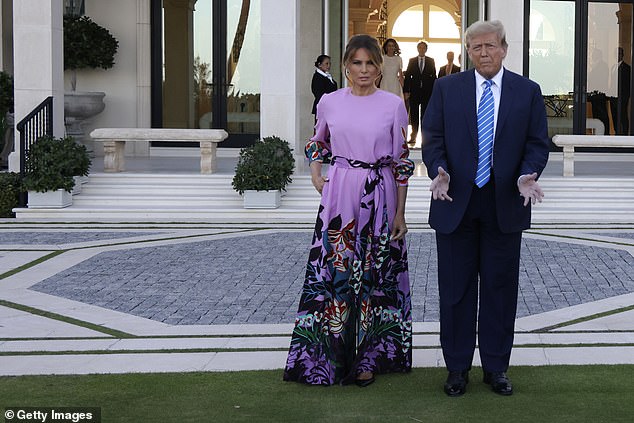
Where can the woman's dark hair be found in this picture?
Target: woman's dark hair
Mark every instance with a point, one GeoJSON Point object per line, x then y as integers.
{"type": "Point", "coordinates": [397, 51]}
{"type": "Point", "coordinates": [367, 42]}
{"type": "Point", "coordinates": [320, 59]}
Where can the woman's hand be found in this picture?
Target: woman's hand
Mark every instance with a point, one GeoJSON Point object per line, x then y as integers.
{"type": "Point", "coordinates": [319, 182]}
{"type": "Point", "coordinates": [399, 227]}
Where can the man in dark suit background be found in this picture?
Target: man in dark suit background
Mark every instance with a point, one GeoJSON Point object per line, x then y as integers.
{"type": "Point", "coordinates": [619, 105]}
{"type": "Point", "coordinates": [419, 82]}
{"type": "Point", "coordinates": [449, 68]}
{"type": "Point", "coordinates": [481, 197]}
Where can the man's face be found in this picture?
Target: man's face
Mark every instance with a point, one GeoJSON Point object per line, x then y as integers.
{"type": "Point", "coordinates": [486, 52]}
{"type": "Point", "coordinates": [422, 49]}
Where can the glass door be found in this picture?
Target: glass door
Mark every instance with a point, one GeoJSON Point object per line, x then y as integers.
{"type": "Point", "coordinates": [551, 56]}
{"type": "Point", "coordinates": [580, 53]}
{"type": "Point", "coordinates": [234, 91]}
{"type": "Point", "coordinates": [609, 52]}
{"type": "Point", "coordinates": [209, 67]}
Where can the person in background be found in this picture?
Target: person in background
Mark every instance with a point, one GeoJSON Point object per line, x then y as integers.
{"type": "Point", "coordinates": [449, 68]}
{"type": "Point", "coordinates": [322, 82]}
{"type": "Point", "coordinates": [619, 105]}
{"type": "Point", "coordinates": [486, 143]}
{"type": "Point", "coordinates": [354, 319]}
{"type": "Point", "coordinates": [392, 74]}
{"type": "Point", "coordinates": [420, 76]}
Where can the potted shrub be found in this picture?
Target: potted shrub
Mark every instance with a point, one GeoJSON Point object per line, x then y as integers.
{"type": "Point", "coordinates": [263, 171]}
{"type": "Point", "coordinates": [87, 45]}
{"type": "Point", "coordinates": [51, 164]}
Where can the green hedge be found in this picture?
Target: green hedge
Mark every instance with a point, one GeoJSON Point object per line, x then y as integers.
{"type": "Point", "coordinates": [10, 188]}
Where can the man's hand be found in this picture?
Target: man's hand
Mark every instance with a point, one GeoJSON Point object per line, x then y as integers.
{"type": "Point", "coordinates": [530, 189]}
{"type": "Point", "coordinates": [440, 186]}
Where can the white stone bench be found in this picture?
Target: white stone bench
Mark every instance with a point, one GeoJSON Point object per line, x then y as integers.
{"type": "Point", "coordinates": [114, 140]}
{"type": "Point", "coordinates": [563, 125]}
{"type": "Point", "coordinates": [569, 142]}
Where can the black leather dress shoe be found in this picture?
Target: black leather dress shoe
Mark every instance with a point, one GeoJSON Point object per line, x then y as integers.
{"type": "Point", "coordinates": [499, 381]}
{"type": "Point", "coordinates": [456, 384]}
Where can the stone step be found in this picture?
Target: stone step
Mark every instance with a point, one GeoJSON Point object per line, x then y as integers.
{"type": "Point", "coordinates": [285, 215]}
{"type": "Point", "coordinates": [138, 196]}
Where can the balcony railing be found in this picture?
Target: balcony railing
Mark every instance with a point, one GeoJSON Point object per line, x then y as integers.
{"type": "Point", "coordinates": [36, 124]}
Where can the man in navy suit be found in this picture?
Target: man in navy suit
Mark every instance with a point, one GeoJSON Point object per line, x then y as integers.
{"type": "Point", "coordinates": [417, 86]}
{"type": "Point", "coordinates": [449, 68]}
{"type": "Point", "coordinates": [479, 223]}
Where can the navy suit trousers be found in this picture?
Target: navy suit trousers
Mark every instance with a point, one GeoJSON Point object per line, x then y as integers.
{"type": "Point", "coordinates": [478, 272]}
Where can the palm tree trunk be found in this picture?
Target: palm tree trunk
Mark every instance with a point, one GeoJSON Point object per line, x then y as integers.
{"type": "Point", "coordinates": [238, 39]}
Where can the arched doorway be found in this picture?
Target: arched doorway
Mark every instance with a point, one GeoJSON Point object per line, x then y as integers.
{"type": "Point", "coordinates": [438, 22]}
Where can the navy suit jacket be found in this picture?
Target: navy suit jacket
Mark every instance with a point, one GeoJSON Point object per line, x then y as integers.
{"type": "Point", "coordinates": [443, 70]}
{"type": "Point", "coordinates": [451, 141]}
{"type": "Point", "coordinates": [418, 84]}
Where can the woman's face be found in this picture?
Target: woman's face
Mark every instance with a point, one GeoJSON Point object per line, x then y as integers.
{"type": "Point", "coordinates": [325, 65]}
{"type": "Point", "coordinates": [361, 71]}
{"type": "Point", "coordinates": [391, 48]}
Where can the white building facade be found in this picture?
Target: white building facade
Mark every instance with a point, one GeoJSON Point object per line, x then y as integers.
{"type": "Point", "coordinates": [246, 66]}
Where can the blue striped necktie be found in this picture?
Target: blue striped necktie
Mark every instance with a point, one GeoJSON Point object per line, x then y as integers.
{"type": "Point", "coordinates": [485, 135]}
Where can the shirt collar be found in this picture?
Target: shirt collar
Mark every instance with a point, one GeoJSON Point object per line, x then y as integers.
{"type": "Point", "coordinates": [326, 74]}
{"type": "Point", "coordinates": [497, 79]}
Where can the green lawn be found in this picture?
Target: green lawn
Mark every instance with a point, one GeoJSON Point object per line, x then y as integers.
{"type": "Point", "coordinates": [542, 394]}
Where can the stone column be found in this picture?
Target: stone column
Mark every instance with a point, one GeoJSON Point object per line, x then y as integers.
{"type": "Point", "coordinates": [290, 39]}
{"type": "Point", "coordinates": [143, 74]}
{"type": "Point", "coordinates": [38, 62]}
{"type": "Point", "coordinates": [309, 36]}
{"type": "Point", "coordinates": [358, 20]}
{"type": "Point", "coordinates": [178, 101]}
{"type": "Point", "coordinates": [278, 50]}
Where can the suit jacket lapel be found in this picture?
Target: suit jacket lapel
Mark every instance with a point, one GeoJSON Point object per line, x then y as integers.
{"type": "Point", "coordinates": [469, 106]}
{"type": "Point", "coordinates": [506, 100]}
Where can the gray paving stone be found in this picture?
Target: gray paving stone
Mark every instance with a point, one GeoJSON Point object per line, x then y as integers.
{"type": "Point", "coordinates": [65, 237]}
{"type": "Point", "coordinates": [628, 235]}
{"type": "Point", "coordinates": [241, 281]}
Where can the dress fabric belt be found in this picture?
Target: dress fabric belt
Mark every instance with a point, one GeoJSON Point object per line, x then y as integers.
{"type": "Point", "coordinates": [373, 218]}
{"type": "Point", "coordinates": [373, 206]}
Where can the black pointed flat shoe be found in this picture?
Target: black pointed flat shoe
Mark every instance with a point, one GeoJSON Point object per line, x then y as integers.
{"type": "Point", "coordinates": [362, 383]}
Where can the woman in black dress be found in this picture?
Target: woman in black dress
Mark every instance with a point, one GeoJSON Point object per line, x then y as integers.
{"type": "Point", "coordinates": [323, 82]}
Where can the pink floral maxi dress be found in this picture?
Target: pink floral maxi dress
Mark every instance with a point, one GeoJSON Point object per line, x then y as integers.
{"type": "Point", "coordinates": [355, 309]}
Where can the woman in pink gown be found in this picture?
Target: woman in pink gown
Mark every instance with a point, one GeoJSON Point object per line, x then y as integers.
{"type": "Point", "coordinates": [354, 319]}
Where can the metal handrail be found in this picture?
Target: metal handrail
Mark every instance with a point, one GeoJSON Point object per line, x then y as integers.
{"type": "Point", "coordinates": [36, 124]}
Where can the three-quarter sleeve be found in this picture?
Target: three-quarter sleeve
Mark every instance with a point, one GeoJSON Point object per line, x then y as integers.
{"type": "Point", "coordinates": [318, 147]}
{"type": "Point", "coordinates": [402, 166]}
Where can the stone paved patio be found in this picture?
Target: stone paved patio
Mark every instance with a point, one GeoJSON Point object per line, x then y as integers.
{"type": "Point", "coordinates": [258, 278]}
